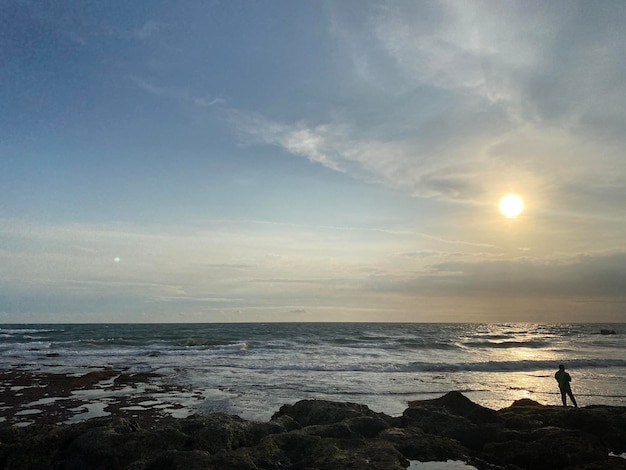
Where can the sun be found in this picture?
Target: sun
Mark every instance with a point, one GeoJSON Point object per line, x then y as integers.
{"type": "Point", "coordinates": [511, 205]}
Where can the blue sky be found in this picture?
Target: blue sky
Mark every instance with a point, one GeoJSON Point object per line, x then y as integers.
{"type": "Point", "coordinates": [312, 161]}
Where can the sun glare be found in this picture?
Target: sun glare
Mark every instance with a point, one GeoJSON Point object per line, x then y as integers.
{"type": "Point", "coordinates": [511, 205]}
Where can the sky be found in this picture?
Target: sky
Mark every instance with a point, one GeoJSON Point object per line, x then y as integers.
{"type": "Point", "coordinates": [244, 161]}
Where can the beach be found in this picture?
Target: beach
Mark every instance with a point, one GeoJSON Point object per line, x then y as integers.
{"type": "Point", "coordinates": [78, 379]}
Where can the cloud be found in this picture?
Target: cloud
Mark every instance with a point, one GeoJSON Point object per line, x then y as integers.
{"type": "Point", "coordinates": [314, 143]}
{"type": "Point", "coordinates": [466, 101]}
{"type": "Point", "coordinates": [176, 93]}
{"type": "Point", "coordinates": [551, 61]}
{"type": "Point", "coordinates": [594, 276]}
{"type": "Point", "coordinates": [332, 146]}
{"type": "Point", "coordinates": [408, 164]}
{"type": "Point", "coordinates": [70, 270]}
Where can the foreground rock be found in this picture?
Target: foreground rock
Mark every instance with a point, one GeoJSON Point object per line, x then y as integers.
{"type": "Point", "coordinates": [319, 435]}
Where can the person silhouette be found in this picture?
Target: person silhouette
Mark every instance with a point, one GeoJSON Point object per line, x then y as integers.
{"type": "Point", "coordinates": [563, 379]}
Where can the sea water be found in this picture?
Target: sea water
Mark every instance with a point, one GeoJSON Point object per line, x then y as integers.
{"type": "Point", "coordinates": [252, 369]}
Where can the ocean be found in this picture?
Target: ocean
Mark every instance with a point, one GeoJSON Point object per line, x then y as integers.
{"type": "Point", "coordinates": [252, 369]}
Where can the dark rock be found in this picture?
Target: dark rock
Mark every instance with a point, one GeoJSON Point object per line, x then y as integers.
{"type": "Point", "coordinates": [459, 405]}
{"type": "Point", "coordinates": [367, 426]}
{"type": "Point", "coordinates": [522, 415]}
{"type": "Point", "coordinates": [287, 450]}
{"type": "Point", "coordinates": [435, 421]}
{"type": "Point", "coordinates": [258, 431]}
{"type": "Point", "coordinates": [181, 459]}
{"type": "Point", "coordinates": [607, 423]}
{"type": "Point", "coordinates": [216, 432]}
{"type": "Point", "coordinates": [338, 430]}
{"type": "Point", "coordinates": [610, 463]}
{"type": "Point", "coordinates": [526, 402]}
{"type": "Point", "coordinates": [548, 448]}
{"type": "Point", "coordinates": [357, 454]}
{"type": "Point", "coordinates": [114, 444]}
{"type": "Point", "coordinates": [308, 412]}
{"type": "Point", "coordinates": [297, 450]}
{"type": "Point", "coordinates": [360, 426]}
{"type": "Point", "coordinates": [415, 444]}
{"type": "Point", "coordinates": [322, 435]}
{"type": "Point", "coordinates": [287, 422]}
{"type": "Point", "coordinates": [440, 422]}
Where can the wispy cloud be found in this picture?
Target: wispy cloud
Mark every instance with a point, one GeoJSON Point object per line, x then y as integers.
{"type": "Point", "coordinates": [406, 164]}
{"type": "Point", "coordinates": [485, 102]}
{"type": "Point", "coordinates": [314, 143]}
{"type": "Point", "coordinates": [176, 93]}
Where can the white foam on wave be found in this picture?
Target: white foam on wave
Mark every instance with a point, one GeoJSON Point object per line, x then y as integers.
{"type": "Point", "coordinates": [32, 347]}
{"type": "Point", "coordinates": [21, 331]}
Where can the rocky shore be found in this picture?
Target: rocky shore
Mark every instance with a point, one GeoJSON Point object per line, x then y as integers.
{"type": "Point", "coordinates": [319, 435]}
{"type": "Point", "coordinates": [36, 397]}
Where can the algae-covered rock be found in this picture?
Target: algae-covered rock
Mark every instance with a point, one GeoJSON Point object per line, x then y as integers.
{"type": "Point", "coordinates": [459, 405]}
{"type": "Point", "coordinates": [324, 435]}
{"type": "Point", "coordinates": [308, 412]}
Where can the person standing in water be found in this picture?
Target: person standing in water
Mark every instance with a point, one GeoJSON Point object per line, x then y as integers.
{"type": "Point", "coordinates": [563, 378]}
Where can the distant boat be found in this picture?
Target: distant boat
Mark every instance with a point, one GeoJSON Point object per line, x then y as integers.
{"type": "Point", "coordinates": [607, 332]}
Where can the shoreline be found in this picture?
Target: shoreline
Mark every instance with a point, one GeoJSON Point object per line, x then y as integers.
{"type": "Point", "coordinates": [251, 370]}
